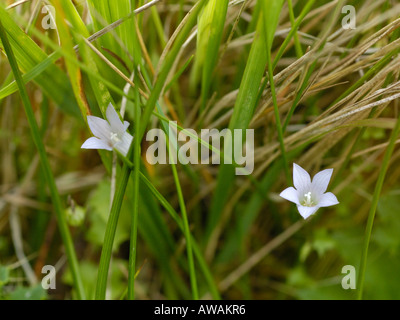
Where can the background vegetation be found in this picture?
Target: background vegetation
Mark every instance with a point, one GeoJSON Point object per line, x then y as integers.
{"type": "Point", "coordinates": [315, 93]}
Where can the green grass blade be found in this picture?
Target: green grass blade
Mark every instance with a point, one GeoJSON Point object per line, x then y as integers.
{"type": "Point", "coordinates": [269, 30]}
{"type": "Point", "coordinates": [242, 113]}
{"type": "Point", "coordinates": [28, 55]}
{"type": "Point", "coordinates": [109, 236]}
{"type": "Point", "coordinates": [210, 29]}
{"type": "Point", "coordinates": [62, 223]}
{"type": "Point", "coordinates": [168, 63]}
{"type": "Point", "coordinates": [374, 204]}
{"type": "Point", "coordinates": [135, 213]}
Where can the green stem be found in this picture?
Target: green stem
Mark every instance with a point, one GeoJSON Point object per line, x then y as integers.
{"type": "Point", "coordinates": [186, 229]}
{"type": "Point", "coordinates": [110, 234]}
{"type": "Point", "coordinates": [292, 32]}
{"type": "Point", "coordinates": [276, 113]}
{"type": "Point", "coordinates": [297, 44]}
{"type": "Point", "coordinates": [372, 211]}
{"type": "Point", "coordinates": [134, 224]}
{"type": "Point", "coordinates": [55, 197]}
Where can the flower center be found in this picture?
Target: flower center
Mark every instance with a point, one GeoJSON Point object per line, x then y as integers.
{"type": "Point", "coordinates": [115, 138]}
{"type": "Point", "coordinates": [307, 200]}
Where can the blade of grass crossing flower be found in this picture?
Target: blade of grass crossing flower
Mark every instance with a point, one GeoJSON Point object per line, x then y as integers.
{"type": "Point", "coordinates": [61, 219]}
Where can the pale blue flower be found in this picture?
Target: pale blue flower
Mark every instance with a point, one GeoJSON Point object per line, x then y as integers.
{"type": "Point", "coordinates": [110, 134]}
{"type": "Point", "coordinates": [309, 196]}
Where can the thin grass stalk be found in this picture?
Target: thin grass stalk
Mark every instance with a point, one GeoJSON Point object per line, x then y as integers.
{"type": "Point", "coordinates": [134, 224]}
{"type": "Point", "coordinates": [297, 45]}
{"type": "Point", "coordinates": [374, 205]}
{"type": "Point", "coordinates": [109, 236]}
{"type": "Point", "coordinates": [276, 109]}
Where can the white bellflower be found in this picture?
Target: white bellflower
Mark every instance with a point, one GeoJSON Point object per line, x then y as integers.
{"type": "Point", "coordinates": [309, 196]}
{"type": "Point", "coordinates": [110, 134]}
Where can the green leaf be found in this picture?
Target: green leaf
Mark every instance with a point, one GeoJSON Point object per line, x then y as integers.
{"type": "Point", "coordinates": [242, 113]}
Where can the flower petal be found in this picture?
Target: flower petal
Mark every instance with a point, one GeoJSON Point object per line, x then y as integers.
{"type": "Point", "coordinates": [301, 179]}
{"type": "Point", "coordinates": [112, 116]}
{"type": "Point", "coordinates": [123, 145]}
{"type": "Point", "coordinates": [99, 127]}
{"type": "Point", "coordinates": [307, 211]}
{"type": "Point", "coordinates": [328, 199]}
{"type": "Point", "coordinates": [320, 181]}
{"type": "Point", "coordinates": [126, 125]}
{"type": "Point", "coordinates": [95, 143]}
{"type": "Point", "coordinates": [290, 194]}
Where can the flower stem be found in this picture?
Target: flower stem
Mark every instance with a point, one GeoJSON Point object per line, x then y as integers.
{"type": "Point", "coordinates": [134, 223]}
{"type": "Point", "coordinates": [55, 197]}
{"type": "Point", "coordinates": [110, 234]}
{"type": "Point", "coordinates": [374, 204]}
